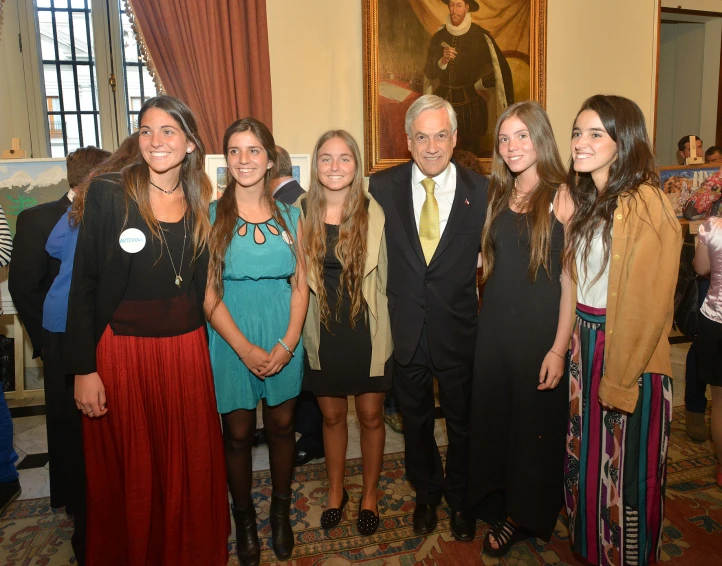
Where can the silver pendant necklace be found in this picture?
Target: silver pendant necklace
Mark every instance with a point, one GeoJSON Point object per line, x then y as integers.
{"type": "Point", "coordinates": [178, 278]}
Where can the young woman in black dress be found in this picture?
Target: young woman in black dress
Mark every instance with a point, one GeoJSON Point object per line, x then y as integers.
{"type": "Point", "coordinates": [518, 411]}
{"type": "Point", "coordinates": [347, 332]}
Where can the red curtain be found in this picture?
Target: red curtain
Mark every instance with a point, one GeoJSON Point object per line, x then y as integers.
{"type": "Point", "coordinates": [212, 54]}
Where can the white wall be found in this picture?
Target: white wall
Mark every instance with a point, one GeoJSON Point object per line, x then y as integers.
{"type": "Point", "coordinates": [680, 86]}
{"type": "Point", "coordinates": [14, 118]}
{"type": "Point", "coordinates": [710, 81]}
{"type": "Point", "coordinates": [593, 49]}
{"type": "Point", "coordinates": [689, 64]}
{"type": "Point", "coordinates": [316, 70]}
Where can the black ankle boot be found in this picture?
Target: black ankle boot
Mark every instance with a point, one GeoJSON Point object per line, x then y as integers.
{"type": "Point", "coordinates": [247, 547]}
{"type": "Point", "coordinates": [281, 533]}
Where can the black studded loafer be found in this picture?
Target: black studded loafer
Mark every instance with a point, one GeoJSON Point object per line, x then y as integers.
{"type": "Point", "coordinates": [368, 521]}
{"type": "Point", "coordinates": [332, 517]}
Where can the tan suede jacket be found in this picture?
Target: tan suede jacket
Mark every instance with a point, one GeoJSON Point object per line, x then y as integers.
{"type": "Point", "coordinates": [644, 264]}
{"type": "Point", "coordinates": [373, 290]}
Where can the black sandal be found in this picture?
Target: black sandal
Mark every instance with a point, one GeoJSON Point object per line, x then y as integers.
{"type": "Point", "coordinates": [505, 534]}
{"type": "Point", "coordinates": [332, 517]}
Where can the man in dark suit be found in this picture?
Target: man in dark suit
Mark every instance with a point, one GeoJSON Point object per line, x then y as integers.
{"type": "Point", "coordinates": [32, 272]}
{"type": "Point", "coordinates": [283, 185]}
{"type": "Point", "coordinates": [435, 211]}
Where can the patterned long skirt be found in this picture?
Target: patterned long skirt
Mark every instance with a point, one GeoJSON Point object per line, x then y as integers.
{"type": "Point", "coordinates": [615, 463]}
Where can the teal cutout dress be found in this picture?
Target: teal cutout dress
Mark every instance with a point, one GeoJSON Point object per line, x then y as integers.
{"type": "Point", "coordinates": [257, 292]}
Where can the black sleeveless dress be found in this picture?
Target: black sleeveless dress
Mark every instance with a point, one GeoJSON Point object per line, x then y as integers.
{"type": "Point", "coordinates": [344, 352]}
{"type": "Point", "coordinates": [518, 433]}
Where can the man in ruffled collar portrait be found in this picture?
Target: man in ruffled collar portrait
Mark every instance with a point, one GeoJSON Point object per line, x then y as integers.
{"type": "Point", "coordinates": [462, 61]}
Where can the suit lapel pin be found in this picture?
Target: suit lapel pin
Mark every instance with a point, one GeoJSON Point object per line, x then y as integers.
{"type": "Point", "coordinates": [466, 201]}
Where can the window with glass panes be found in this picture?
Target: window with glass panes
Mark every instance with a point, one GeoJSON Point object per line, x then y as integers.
{"type": "Point", "coordinates": [139, 85]}
{"type": "Point", "coordinates": [69, 52]}
{"type": "Point", "coordinates": [66, 41]}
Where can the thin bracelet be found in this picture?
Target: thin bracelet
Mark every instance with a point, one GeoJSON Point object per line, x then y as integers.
{"type": "Point", "coordinates": [248, 352]}
{"type": "Point", "coordinates": [562, 357]}
{"type": "Point", "coordinates": [282, 343]}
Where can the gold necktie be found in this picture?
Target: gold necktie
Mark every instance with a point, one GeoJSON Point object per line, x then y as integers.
{"type": "Point", "coordinates": [429, 221]}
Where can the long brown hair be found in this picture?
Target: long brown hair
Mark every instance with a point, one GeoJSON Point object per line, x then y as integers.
{"type": "Point", "coordinates": [126, 154]}
{"type": "Point", "coordinates": [551, 175]}
{"type": "Point", "coordinates": [196, 185]}
{"type": "Point", "coordinates": [634, 166]}
{"type": "Point", "coordinates": [350, 248]}
{"type": "Point", "coordinates": [224, 227]}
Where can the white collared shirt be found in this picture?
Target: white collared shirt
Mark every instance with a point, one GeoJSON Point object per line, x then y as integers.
{"type": "Point", "coordinates": [444, 193]}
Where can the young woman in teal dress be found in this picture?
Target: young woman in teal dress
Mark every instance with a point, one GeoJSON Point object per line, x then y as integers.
{"type": "Point", "coordinates": [256, 304]}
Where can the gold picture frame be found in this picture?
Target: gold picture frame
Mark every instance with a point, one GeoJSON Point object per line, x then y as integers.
{"type": "Point", "coordinates": [395, 31]}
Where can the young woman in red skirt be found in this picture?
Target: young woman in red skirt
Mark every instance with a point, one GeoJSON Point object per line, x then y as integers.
{"type": "Point", "coordinates": [136, 342]}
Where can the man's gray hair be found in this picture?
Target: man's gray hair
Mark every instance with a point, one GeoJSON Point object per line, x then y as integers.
{"type": "Point", "coordinates": [283, 167]}
{"type": "Point", "coordinates": [429, 102]}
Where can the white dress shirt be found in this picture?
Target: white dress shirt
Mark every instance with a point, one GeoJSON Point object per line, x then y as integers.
{"type": "Point", "coordinates": [444, 193]}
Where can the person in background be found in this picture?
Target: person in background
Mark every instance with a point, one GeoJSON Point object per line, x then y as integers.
{"type": "Point", "coordinates": [695, 398]}
{"type": "Point", "coordinates": [256, 302]}
{"type": "Point", "coordinates": [713, 155]}
{"type": "Point", "coordinates": [684, 151]}
{"type": "Point", "coordinates": [434, 214]}
{"type": "Point", "coordinates": [9, 483]}
{"type": "Point", "coordinates": [623, 243]}
{"type": "Point", "coordinates": [135, 339]}
{"type": "Point", "coordinates": [519, 391]}
{"type": "Point", "coordinates": [284, 186]}
{"type": "Point", "coordinates": [347, 331]}
{"type": "Point", "coordinates": [708, 262]}
{"type": "Point", "coordinates": [65, 441]}
{"type": "Point", "coordinates": [33, 271]}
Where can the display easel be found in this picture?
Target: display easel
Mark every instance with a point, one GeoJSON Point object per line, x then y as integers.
{"type": "Point", "coordinates": [19, 353]}
{"type": "Point", "coordinates": [15, 151]}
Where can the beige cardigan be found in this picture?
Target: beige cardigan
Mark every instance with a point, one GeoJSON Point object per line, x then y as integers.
{"type": "Point", "coordinates": [373, 291]}
{"type": "Point", "coordinates": [644, 264]}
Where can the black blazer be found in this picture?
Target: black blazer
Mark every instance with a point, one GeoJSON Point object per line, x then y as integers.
{"type": "Point", "coordinates": [101, 268]}
{"type": "Point", "coordinates": [32, 270]}
{"type": "Point", "coordinates": [441, 295]}
{"type": "Point", "coordinates": [289, 192]}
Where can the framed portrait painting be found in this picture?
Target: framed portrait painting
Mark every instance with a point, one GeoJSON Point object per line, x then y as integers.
{"type": "Point", "coordinates": [480, 55]}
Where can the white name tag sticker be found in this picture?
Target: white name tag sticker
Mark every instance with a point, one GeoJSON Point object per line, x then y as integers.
{"type": "Point", "coordinates": [132, 240]}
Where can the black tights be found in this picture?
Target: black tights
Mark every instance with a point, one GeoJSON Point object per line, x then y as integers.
{"type": "Point", "coordinates": [238, 429]}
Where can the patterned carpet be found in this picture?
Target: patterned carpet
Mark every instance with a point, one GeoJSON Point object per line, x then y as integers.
{"type": "Point", "coordinates": [32, 534]}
